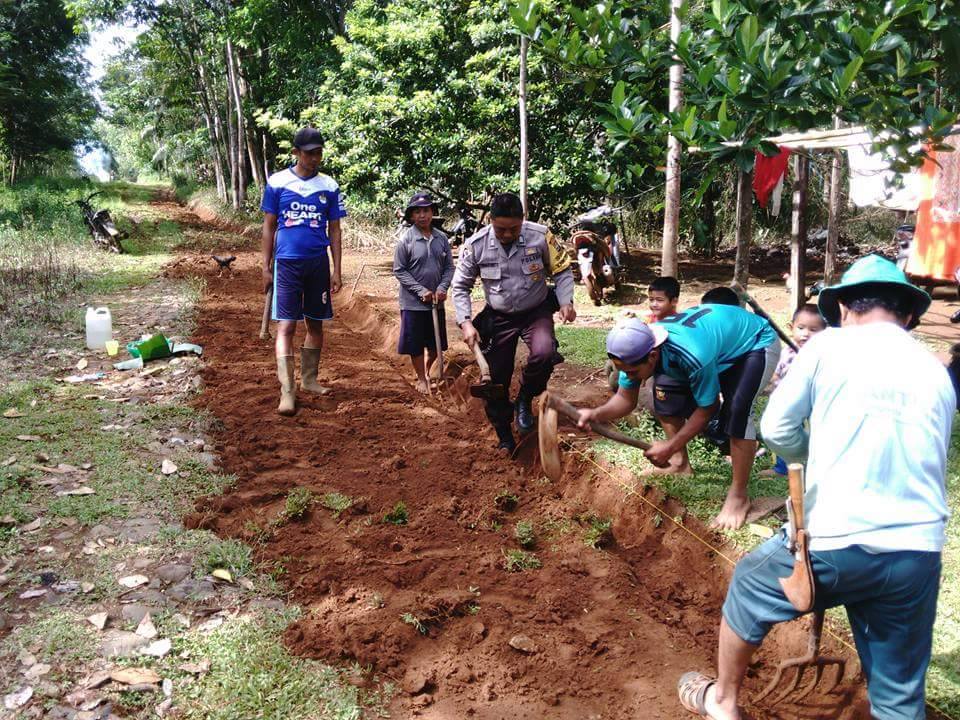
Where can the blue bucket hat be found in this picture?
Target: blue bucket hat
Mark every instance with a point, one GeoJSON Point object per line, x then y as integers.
{"type": "Point", "coordinates": [866, 272]}
{"type": "Point", "coordinates": [420, 200]}
{"type": "Point", "coordinates": [631, 340]}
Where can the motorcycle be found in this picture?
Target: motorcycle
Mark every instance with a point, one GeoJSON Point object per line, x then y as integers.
{"type": "Point", "coordinates": [465, 226]}
{"type": "Point", "coordinates": [595, 259]}
{"type": "Point", "coordinates": [903, 237]}
{"type": "Point", "coordinates": [101, 226]}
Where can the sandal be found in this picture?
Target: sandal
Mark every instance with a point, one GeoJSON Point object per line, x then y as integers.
{"type": "Point", "coordinates": [692, 688]}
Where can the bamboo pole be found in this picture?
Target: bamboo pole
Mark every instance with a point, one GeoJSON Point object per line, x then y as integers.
{"type": "Point", "coordinates": [671, 209]}
{"type": "Point", "coordinates": [798, 238]}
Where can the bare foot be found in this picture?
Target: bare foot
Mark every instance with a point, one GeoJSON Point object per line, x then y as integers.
{"type": "Point", "coordinates": [733, 513]}
{"type": "Point", "coordinates": [423, 387]}
{"type": "Point", "coordinates": [713, 708]}
{"type": "Point", "coordinates": [685, 471]}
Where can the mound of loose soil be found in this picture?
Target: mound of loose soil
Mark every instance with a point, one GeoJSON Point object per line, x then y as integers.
{"type": "Point", "coordinates": [593, 633]}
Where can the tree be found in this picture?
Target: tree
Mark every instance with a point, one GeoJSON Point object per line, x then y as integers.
{"type": "Point", "coordinates": [45, 107]}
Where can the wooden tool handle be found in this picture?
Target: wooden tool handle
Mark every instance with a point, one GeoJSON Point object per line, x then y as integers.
{"type": "Point", "coordinates": [265, 320]}
{"type": "Point", "coordinates": [572, 413]}
{"type": "Point", "coordinates": [795, 479]}
{"type": "Point", "coordinates": [742, 292]}
{"type": "Point", "coordinates": [481, 363]}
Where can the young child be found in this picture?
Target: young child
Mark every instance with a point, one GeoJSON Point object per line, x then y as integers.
{"type": "Point", "coordinates": [807, 321]}
{"type": "Point", "coordinates": [423, 264]}
{"type": "Point", "coordinates": [663, 295]}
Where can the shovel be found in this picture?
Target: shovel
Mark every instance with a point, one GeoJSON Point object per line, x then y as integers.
{"type": "Point", "coordinates": [551, 408]}
{"type": "Point", "coordinates": [799, 589]}
{"type": "Point", "coordinates": [436, 338]}
{"type": "Point", "coordinates": [486, 388]}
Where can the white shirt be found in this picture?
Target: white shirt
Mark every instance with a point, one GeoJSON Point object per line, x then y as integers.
{"type": "Point", "coordinates": [880, 407]}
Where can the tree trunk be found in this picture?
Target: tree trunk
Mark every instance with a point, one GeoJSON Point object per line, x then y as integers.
{"type": "Point", "coordinates": [233, 90]}
{"type": "Point", "coordinates": [798, 238]}
{"type": "Point", "coordinates": [671, 209]}
{"type": "Point", "coordinates": [265, 155]}
{"type": "Point", "coordinates": [744, 226]}
{"type": "Point", "coordinates": [524, 158]}
{"type": "Point", "coordinates": [833, 222]}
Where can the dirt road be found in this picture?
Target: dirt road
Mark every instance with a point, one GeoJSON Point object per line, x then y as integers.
{"type": "Point", "coordinates": [602, 633]}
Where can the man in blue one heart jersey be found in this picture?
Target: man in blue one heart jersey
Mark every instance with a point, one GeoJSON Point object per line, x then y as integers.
{"type": "Point", "coordinates": [302, 210]}
{"type": "Point", "coordinates": [723, 352]}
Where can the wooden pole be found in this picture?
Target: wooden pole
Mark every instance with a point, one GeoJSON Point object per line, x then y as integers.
{"type": "Point", "coordinates": [833, 221]}
{"type": "Point", "coordinates": [524, 159]}
{"type": "Point", "coordinates": [744, 226]}
{"type": "Point", "coordinates": [798, 239]}
{"type": "Point", "coordinates": [671, 207]}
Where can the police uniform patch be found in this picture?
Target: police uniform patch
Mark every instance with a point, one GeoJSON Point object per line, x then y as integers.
{"type": "Point", "coordinates": [530, 251]}
{"type": "Point", "coordinates": [535, 278]}
{"type": "Point", "coordinates": [661, 395]}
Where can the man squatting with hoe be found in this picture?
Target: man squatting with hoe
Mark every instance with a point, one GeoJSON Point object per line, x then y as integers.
{"type": "Point", "coordinates": [721, 352]}
{"type": "Point", "coordinates": [423, 265]}
{"type": "Point", "coordinates": [513, 259]}
{"type": "Point", "coordinates": [302, 209]}
{"type": "Point", "coordinates": [879, 408]}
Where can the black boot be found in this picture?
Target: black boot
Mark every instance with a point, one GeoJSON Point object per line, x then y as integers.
{"type": "Point", "coordinates": [525, 421]}
{"type": "Point", "coordinates": [505, 435]}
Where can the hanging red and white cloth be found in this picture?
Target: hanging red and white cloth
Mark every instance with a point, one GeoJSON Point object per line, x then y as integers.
{"type": "Point", "coordinates": [768, 172]}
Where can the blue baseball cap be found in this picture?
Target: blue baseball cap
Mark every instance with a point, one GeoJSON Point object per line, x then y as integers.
{"type": "Point", "coordinates": [631, 340]}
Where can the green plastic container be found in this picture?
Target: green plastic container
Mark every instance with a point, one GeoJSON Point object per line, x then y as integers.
{"type": "Point", "coordinates": [153, 348]}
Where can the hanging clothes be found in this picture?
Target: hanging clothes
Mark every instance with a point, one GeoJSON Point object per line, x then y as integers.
{"type": "Point", "coordinates": [874, 184]}
{"type": "Point", "coordinates": [935, 252]}
{"type": "Point", "coordinates": [767, 173]}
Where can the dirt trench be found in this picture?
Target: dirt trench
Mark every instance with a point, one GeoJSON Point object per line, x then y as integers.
{"type": "Point", "coordinates": [607, 632]}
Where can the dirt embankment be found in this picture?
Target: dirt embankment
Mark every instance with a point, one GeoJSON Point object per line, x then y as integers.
{"type": "Point", "coordinates": [602, 633]}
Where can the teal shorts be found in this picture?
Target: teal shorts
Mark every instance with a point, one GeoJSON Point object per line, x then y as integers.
{"type": "Point", "coordinates": [890, 598]}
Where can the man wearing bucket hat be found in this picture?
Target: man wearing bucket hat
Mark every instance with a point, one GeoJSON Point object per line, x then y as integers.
{"type": "Point", "coordinates": [423, 264]}
{"type": "Point", "coordinates": [302, 210]}
{"type": "Point", "coordinates": [721, 351]}
{"type": "Point", "coordinates": [879, 408]}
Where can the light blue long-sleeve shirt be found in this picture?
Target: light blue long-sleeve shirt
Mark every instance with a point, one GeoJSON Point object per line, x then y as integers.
{"type": "Point", "coordinates": [880, 409]}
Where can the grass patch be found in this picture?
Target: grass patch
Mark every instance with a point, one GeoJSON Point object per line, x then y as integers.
{"type": "Point", "coordinates": [54, 636]}
{"type": "Point", "coordinates": [525, 534]}
{"type": "Point", "coordinates": [582, 345]}
{"type": "Point", "coordinates": [229, 554]}
{"type": "Point", "coordinates": [297, 504]}
{"type": "Point", "coordinates": [337, 503]}
{"type": "Point", "coordinates": [253, 676]}
{"type": "Point", "coordinates": [598, 532]}
{"type": "Point", "coordinates": [506, 500]}
{"type": "Point", "coordinates": [398, 515]}
{"type": "Point", "coordinates": [520, 560]}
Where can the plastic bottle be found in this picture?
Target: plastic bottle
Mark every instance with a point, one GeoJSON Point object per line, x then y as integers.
{"type": "Point", "coordinates": [99, 327]}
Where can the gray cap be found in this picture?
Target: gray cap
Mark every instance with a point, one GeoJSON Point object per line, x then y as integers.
{"type": "Point", "coordinates": [631, 340]}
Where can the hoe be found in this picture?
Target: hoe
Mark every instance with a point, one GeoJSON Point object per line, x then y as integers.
{"type": "Point", "coordinates": [799, 589]}
{"type": "Point", "coordinates": [550, 409]}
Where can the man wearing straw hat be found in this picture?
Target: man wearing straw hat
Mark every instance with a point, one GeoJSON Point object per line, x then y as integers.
{"type": "Point", "coordinates": [879, 407]}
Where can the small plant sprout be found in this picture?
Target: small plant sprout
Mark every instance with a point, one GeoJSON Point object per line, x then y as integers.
{"type": "Point", "coordinates": [337, 503]}
{"type": "Point", "coordinates": [525, 534]}
{"type": "Point", "coordinates": [598, 531]}
{"type": "Point", "coordinates": [520, 560]}
{"type": "Point", "coordinates": [298, 504]}
{"type": "Point", "coordinates": [398, 515]}
{"type": "Point", "coordinates": [506, 500]}
{"type": "Point", "coordinates": [413, 620]}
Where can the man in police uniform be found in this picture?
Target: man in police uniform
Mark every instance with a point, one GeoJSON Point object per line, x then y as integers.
{"type": "Point", "coordinates": [513, 259]}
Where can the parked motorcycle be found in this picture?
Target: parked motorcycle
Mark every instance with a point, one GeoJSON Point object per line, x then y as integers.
{"type": "Point", "coordinates": [903, 239]}
{"type": "Point", "coordinates": [465, 226]}
{"type": "Point", "coordinates": [594, 260]}
{"type": "Point", "coordinates": [101, 226]}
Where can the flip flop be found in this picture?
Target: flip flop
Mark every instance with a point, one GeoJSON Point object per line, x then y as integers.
{"type": "Point", "coordinates": [692, 689]}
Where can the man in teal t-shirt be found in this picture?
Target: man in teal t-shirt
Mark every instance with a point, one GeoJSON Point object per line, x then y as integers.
{"type": "Point", "coordinates": [727, 355]}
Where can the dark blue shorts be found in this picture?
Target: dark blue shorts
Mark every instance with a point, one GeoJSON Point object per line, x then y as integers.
{"type": "Point", "coordinates": [890, 598]}
{"type": "Point", "coordinates": [416, 332]}
{"type": "Point", "coordinates": [301, 289]}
